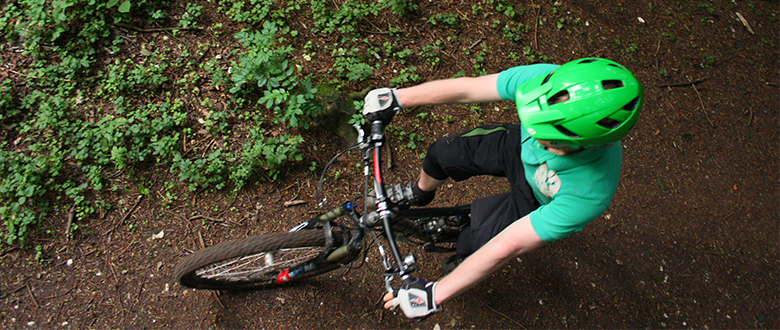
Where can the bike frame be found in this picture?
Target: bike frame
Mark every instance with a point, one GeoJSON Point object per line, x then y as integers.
{"type": "Point", "coordinates": [386, 215]}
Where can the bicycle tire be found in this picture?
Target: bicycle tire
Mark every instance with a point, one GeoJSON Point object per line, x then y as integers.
{"type": "Point", "coordinates": [206, 269]}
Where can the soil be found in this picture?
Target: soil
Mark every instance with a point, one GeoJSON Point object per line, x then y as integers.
{"type": "Point", "coordinates": [690, 240]}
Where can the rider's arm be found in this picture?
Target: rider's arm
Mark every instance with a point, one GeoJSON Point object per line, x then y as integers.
{"type": "Point", "coordinates": [516, 239]}
{"type": "Point", "coordinates": [447, 91]}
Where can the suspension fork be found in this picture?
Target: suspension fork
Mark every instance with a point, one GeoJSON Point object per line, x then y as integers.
{"type": "Point", "coordinates": [373, 150]}
{"type": "Point", "coordinates": [331, 255]}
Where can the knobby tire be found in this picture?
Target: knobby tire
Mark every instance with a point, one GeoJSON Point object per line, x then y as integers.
{"type": "Point", "coordinates": [242, 264]}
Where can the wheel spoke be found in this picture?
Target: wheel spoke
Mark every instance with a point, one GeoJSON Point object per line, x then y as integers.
{"type": "Point", "coordinates": [257, 265]}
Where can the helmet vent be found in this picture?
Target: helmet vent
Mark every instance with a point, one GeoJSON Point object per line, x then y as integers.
{"type": "Point", "coordinates": [559, 97]}
{"type": "Point", "coordinates": [546, 79]}
{"type": "Point", "coordinates": [609, 123]}
{"type": "Point", "coordinates": [631, 106]}
{"type": "Point", "coordinates": [590, 60]}
{"type": "Point", "coordinates": [611, 84]}
{"type": "Point", "coordinates": [567, 132]}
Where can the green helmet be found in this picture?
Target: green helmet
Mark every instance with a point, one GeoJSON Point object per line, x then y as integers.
{"type": "Point", "coordinates": [601, 103]}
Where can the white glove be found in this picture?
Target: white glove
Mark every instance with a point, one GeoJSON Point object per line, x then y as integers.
{"type": "Point", "coordinates": [417, 299]}
{"type": "Point", "coordinates": [381, 104]}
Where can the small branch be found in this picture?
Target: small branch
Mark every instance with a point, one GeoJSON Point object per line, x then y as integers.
{"type": "Point", "coordinates": [536, 24]}
{"type": "Point", "coordinates": [507, 317]}
{"type": "Point", "coordinates": [121, 252]}
{"type": "Point", "coordinates": [685, 84]}
{"type": "Point", "coordinates": [219, 301]}
{"type": "Point", "coordinates": [294, 203]}
{"type": "Point", "coordinates": [32, 296]}
{"type": "Point", "coordinates": [217, 220]}
{"type": "Point", "coordinates": [703, 109]}
{"type": "Point", "coordinates": [475, 43]}
{"type": "Point", "coordinates": [200, 240]}
{"type": "Point", "coordinates": [127, 215]}
{"type": "Point", "coordinates": [745, 23]}
{"type": "Point", "coordinates": [593, 54]}
{"type": "Point", "coordinates": [137, 29]}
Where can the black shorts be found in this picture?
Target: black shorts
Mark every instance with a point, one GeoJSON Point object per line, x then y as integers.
{"type": "Point", "coordinates": [486, 150]}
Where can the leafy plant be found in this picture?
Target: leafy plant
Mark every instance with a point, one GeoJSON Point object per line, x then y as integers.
{"type": "Point", "coordinates": [348, 64]}
{"type": "Point", "coordinates": [190, 15]}
{"type": "Point", "coordinates": [265, 66]}
{"type": "Point", "coordinates": [447, 18]}
{"type": "Point", "coordinates": [406, 76]}
{"type": "Point", "coordinates": [403, 7]}
{"type": "Point", "coordinates": [534, 57]}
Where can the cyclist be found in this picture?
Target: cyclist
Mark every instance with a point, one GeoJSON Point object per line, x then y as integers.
{"type": "Point", "coordinates": [562, 162]}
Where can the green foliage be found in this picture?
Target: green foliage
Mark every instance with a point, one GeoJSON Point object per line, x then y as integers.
{"type": "Point", "coordinates": [256, 11]}
{"type": "Point", "coordinates": [516, 32]}
{"type": "Point", "coordinates": [265, 67]}
{"type": "Point", "coordinates": [707, 7]}
{"type": "Point", "coordinates": [403, 7]}
{"type": "Point", "coordinates": [190, 15]}
{"type": "Point", "coordinates": [406, 76]}
{"type": "Point", "coordinates": [533, 56]}
{"type": "Point", "coordinates": [81, 121]}
{"type": "Point", "coordinates": [269, 154]}
{"type": "Point", "coordinates": [509, 10]}
{"type": "Point", "coordinates": [430, 54]}
{"type": "Point", "coordinates": [346, 18]}
{"type": "Point", "coordinates": [350, 65]}
{"type": "Point", "coordinates": [25, 180]}
{"type": "Point", "coordinates": [8, 104]}
{"type": "Point", "coordinates": [447, 18]}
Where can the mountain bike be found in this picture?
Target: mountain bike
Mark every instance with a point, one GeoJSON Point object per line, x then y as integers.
{"type": "Point", "coordinates": [332, 240]}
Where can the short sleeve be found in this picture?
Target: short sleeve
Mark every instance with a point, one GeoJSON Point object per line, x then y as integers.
{"type": "Point", "coordinates": [510, 79]}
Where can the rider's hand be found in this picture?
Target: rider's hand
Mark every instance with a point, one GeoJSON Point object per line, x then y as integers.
{"type": "Point", "coordinates": [416, 299]}
{"type": "Point", "coordinates": [381, 104]}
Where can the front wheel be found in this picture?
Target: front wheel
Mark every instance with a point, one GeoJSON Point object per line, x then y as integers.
{"type": "Point", "coordinates": [253, 262]}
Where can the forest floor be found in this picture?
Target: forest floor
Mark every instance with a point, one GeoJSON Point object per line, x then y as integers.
{"type": "Point", "coordinates": [690, 240]}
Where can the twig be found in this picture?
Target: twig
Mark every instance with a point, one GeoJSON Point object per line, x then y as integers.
{"type": "Point", "coordinates": [703, 109]}
{"type": "Point", "coordinates": [475, 43]}
{"type": "Point", "coordinates": [32, 296]}
{"type": "Point", "coordinates": [216, 296]}
{"type": "Point", "coordinates": [685, 84]}
{"type": "Point", "coordinates": [655, 57]}
{"type": "Point", "coordinates": [121, 252]}
{"type": "Point", "coordinates": [536, 23]}
{"type": "Point", "coordinates": [597, 52]}
{"type": "Point", "coordinates": [745, 23]}
{"type": "Point", "coordinates": [294, 203]}
{"type": "Point", "coordinates": [137, 29]}
{"type": "Point", "coordinates": [200, 240]}
{"type": "Point", "coordinates": [111, 268]}
{"type": "Point", "coordinates": [212, 219]}
{"type": "Point", "coordinates": [230, 205]}
{"type": "Point", "coordinates": [127, 215]}
{"type": "Point", "coordinates": [507, 317]}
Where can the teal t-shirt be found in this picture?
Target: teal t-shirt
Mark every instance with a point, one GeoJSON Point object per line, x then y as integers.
{"type": "Point", "coordinates": [573, 189]}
